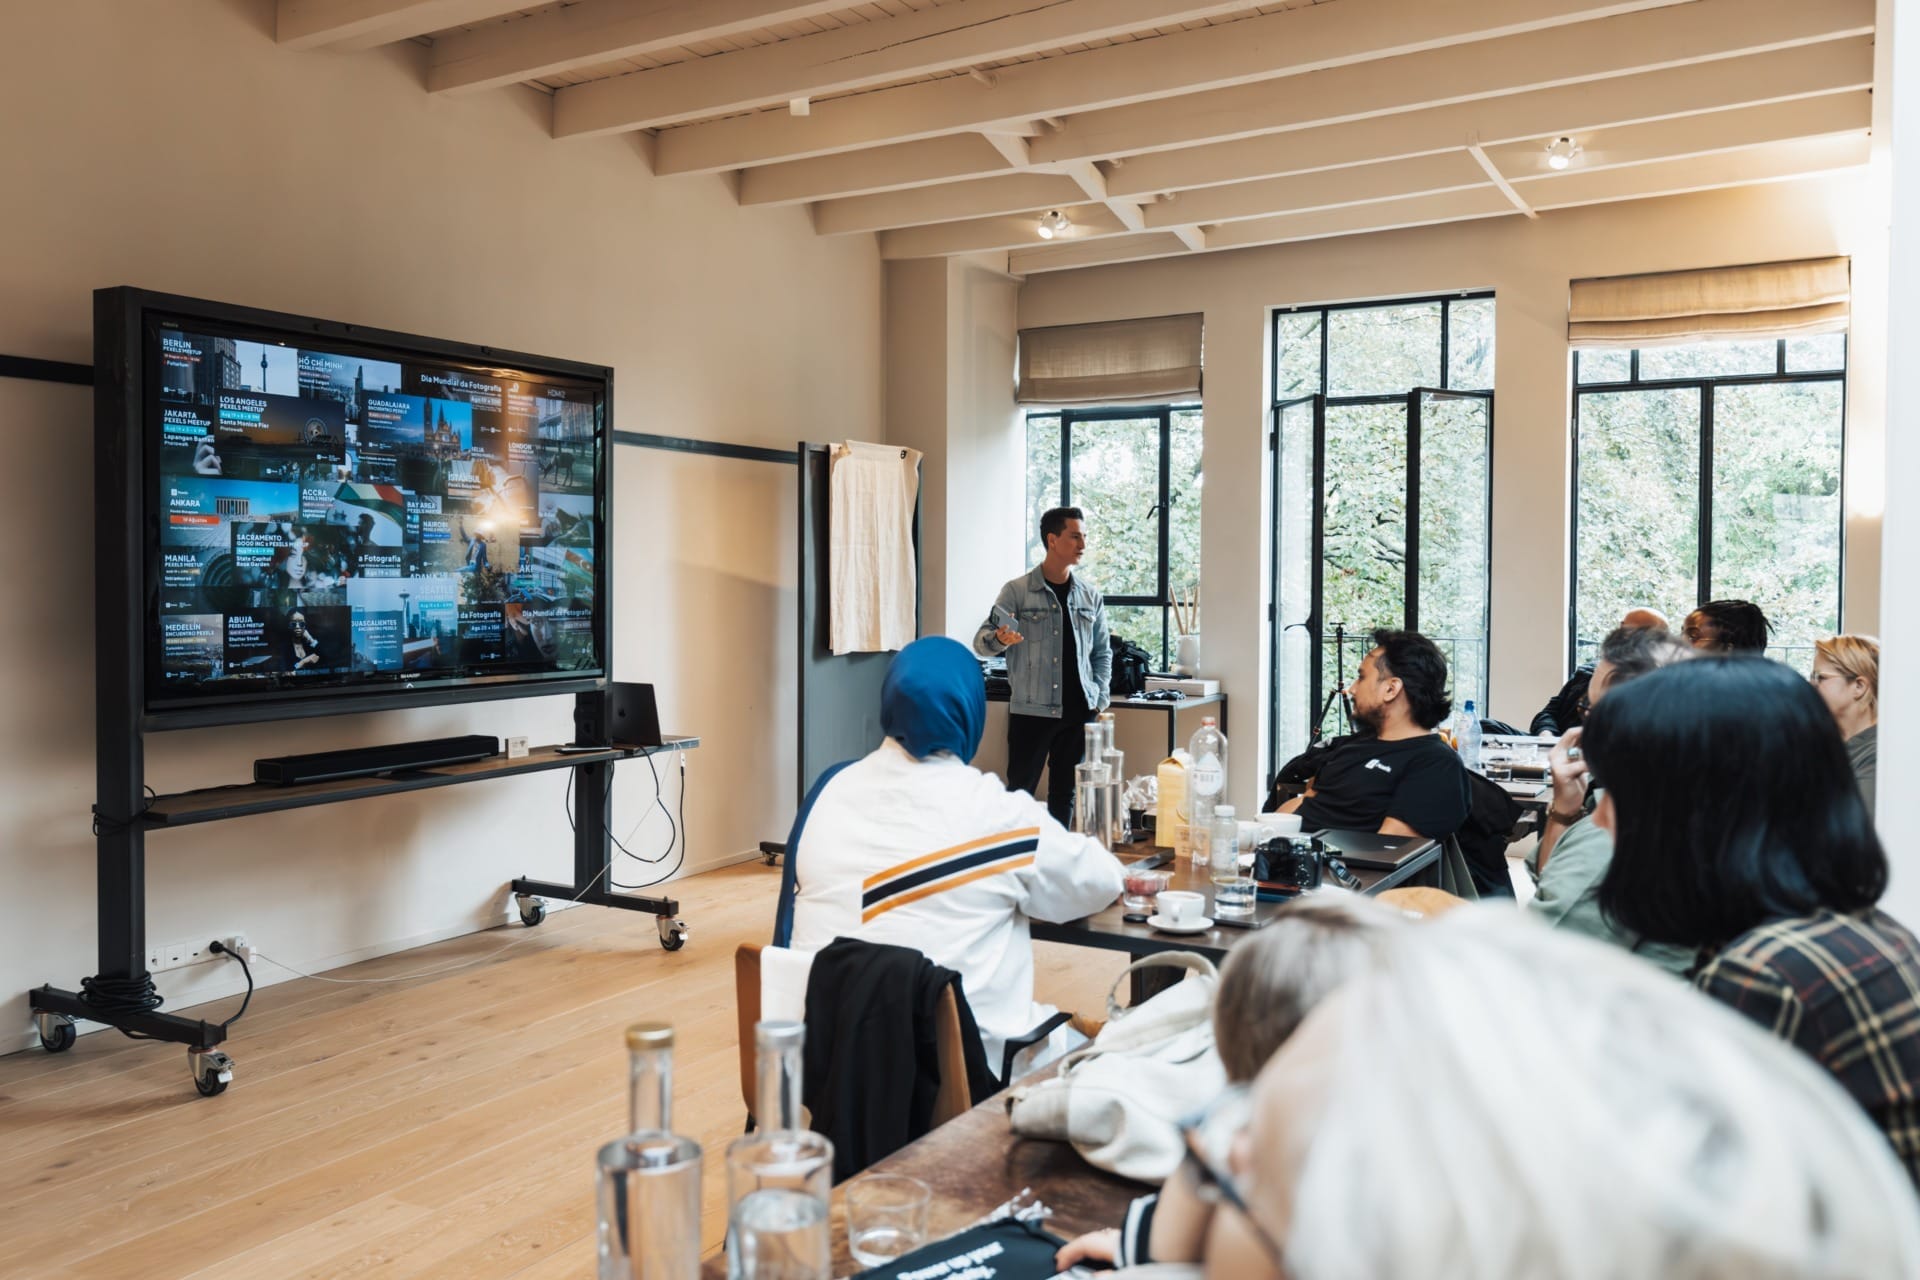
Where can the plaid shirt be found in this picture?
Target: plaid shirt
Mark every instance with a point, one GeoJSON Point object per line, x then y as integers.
{"type": "Point", "coordinates": [1845, 989]}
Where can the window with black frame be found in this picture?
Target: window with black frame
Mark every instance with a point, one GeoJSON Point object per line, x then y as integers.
{"type": "Point", "coordinates": [1135, 473]}
{"type": "Point", "coordinates": [1710, 471]}
{"type": "Point", "coordinates": [1382, 450]}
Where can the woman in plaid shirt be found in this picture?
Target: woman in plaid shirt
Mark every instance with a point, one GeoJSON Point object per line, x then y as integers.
{"type": "Point", "coordinates": [1739, 831]}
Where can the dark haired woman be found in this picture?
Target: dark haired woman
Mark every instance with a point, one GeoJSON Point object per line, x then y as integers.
{"type": "Point", "coordinates": [1738, 830]}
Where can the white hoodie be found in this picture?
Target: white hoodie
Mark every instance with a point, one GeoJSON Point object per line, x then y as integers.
{"type": "Point", "coordinates": [935, 855]}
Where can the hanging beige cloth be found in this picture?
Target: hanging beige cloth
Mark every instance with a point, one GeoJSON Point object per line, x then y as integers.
{"type": "Point", "coordinates": [1117, 362]}
{"type": "Point", "coordinates": [1771, 300]}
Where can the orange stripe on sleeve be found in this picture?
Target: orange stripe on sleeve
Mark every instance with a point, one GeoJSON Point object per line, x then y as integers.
{"type": "Point", "coordinates": [941, 886]}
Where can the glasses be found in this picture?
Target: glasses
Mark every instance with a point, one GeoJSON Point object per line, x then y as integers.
{"type": "Point", "coordinates": [1226, 1117]}
{"type": "Point", "coordinates": [1816, 677]}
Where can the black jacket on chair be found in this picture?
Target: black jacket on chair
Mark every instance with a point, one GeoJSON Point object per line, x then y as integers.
{"type": "Point", "coordinates": [872, 1065]}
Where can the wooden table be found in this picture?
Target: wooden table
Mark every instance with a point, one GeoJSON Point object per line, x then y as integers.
{"type": "Point", "coordinates": [1108, 930]}
{"type": "Point", "coordinates": [974, 1163]}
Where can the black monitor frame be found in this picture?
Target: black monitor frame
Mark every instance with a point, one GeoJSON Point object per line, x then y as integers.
{"type": "Point", "coordinates": [122, 500]}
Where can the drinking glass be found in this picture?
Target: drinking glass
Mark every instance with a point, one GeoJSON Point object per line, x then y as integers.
{"type": "Point", "coordinates": [886, 1217]}
{"type": "Point", "coordinates": [1499, 770]}
{"type": "Point", "coordinates": [1143, 886]}
{"type": "Point", "coordinates": [1234, 894]}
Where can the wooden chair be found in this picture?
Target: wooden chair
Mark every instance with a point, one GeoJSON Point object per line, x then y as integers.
{"type": "Point", "coordinates": [953, 1098]}
{"type": "Point", "coordinates": [1421, 900]}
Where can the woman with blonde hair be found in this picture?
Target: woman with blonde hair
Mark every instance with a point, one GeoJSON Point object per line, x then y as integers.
{"type": "Point", "coordinates": [1621, 1128]}
{"type": "Point", "coordinates": [1846, 674]}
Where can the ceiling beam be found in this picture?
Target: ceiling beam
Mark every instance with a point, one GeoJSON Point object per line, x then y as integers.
{"type": "Point", "coordinates": [980, 198]}
{"type": "Point", "coordinates": [1096, 253]}
{"type": "Point", "coordinates": [1499, 179]}
{"type": "Point", "coordinates": [1288, 43]}
{"type": "Point", "coordinates": [858, 173]}
{"type": "Point", "coordinates": [1775, 163]}
{"type": "Point", "coordinates": [1094, 183]}
{"type": "Point", "coordinates": [960, 34]}
{"type": "Point", "coordinates": [1779, 76]}
{"type": "Point", "coordinates": [1194, 238]}
{"type": "Point", "coordinates": [595, 31]}
{"type": "Point", "coordinates": [362, 24]}
{"type": "Point", "coordinates": [992, 235]}
{"type": "Point", "coordinates": [1327, 189]}
{"type": "Point", "coordinates": [1697, 135]}
{"type": "Point", "coordinates": [1701, 32]}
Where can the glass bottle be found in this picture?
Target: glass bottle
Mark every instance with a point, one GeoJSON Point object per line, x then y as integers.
{"type": "Point", "coordinates": [1116, 763]}
{"type": "Point", "coordinates": [780, 1176]}
{"type": "Point", "coordinates": [1091, 795]}
{"type": "Point", "coordinates": [649, 1181]}
{"type": "Point", "coordinates": [1206, 779]}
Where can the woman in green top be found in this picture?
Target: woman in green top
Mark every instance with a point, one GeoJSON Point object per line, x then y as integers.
{"type": "Point", "coordinates": [1846, 672]}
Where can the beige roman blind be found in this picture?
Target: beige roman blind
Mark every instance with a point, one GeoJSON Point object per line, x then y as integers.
{"type": "Point", "coordinates": [1771, 300]}
{"type": "Point", "coordinates": [1117, 362]}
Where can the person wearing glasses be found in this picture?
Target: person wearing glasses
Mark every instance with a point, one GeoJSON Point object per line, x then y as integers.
{"type": "Point", "coordinates": [1846, 673]}
{"type": "Point", "coordinates": [1574, 850]}
{"type": "Point", "coordinates": [1269, 983]}
{"type": "Point", "coordinates": [1738, 831]}
{"type": "Point", "coordinates": [1624, 1126]}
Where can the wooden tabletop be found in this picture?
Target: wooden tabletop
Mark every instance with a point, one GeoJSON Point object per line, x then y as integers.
{"type": "Point", "coordinates": [974, 1163]}
{"type": "Point", "coordinates": [1107, 928]}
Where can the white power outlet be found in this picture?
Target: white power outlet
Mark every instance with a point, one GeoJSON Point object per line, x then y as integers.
{"type": "Point", "coordinates": [165, 956]}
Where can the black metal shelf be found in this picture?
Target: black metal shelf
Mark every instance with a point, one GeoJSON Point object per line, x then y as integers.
{"type": "Point", "coordinates": [217, 804]}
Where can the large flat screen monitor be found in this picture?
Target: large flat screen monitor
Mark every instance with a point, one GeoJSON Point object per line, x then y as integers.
{"type": "Point", "coordinates": [335, 518]}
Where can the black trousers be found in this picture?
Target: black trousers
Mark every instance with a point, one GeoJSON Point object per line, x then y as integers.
{"type": "Point", "coordinates": [1034, 742]}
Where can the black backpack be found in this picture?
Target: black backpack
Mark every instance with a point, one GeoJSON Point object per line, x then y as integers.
{"type": "Point", "coordinates": [1130, 666]}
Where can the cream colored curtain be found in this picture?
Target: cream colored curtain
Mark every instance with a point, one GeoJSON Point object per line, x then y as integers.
{"type": "Point", "coordinates": [1118, 362]}
{"type": "Point", "coordinates": [1771, 300]}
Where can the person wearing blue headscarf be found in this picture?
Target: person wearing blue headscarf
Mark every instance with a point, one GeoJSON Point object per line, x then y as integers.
{"type": "Point", "coordinates": [911, 845]}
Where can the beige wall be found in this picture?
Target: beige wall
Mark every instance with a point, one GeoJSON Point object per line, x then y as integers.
{"type": "Point", "coordinates": [1528, 265]}
{"type": "Point", "coordinates": [183, 151]}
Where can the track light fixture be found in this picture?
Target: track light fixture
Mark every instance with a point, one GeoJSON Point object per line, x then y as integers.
{"type": "Point", "coordinates": [1053, 223]}
{"type": "Point", "coordinates": [1561, 152]}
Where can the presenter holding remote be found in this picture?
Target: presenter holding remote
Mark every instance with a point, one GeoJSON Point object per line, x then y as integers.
{"type": "Point", "coordinates": [1052, 627]}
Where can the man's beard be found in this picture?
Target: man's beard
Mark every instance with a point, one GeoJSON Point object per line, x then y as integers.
{"type": "Point", "coordinates": [1369, 720]}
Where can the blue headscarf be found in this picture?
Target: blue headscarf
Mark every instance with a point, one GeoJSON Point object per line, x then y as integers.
{"type": "Point", "coordinates": [934, 699]}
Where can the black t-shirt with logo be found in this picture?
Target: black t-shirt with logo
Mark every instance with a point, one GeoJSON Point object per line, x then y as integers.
{"type": "Point", "coordinates": [1421, 781]}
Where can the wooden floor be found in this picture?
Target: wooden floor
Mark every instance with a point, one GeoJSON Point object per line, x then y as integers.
{"type": "Point", "coordinates": [440, 1126]}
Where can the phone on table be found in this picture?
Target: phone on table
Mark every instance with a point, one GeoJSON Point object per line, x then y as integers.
{"type": "Point", "coordinates": [1241, 922]}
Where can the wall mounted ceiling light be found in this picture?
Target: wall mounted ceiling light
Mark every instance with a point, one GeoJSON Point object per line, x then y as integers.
{"type": "Point", "coordinates": [1561, 152]}
{"type": "Point", "coordinates": [1053, 223]}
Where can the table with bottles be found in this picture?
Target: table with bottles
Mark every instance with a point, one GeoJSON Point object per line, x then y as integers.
{"type": "Point", "coordinates": [973, 1164]}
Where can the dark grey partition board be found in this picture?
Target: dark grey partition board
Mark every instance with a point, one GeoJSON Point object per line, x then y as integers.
{"type": "Point", "coordinates": [839, 695]}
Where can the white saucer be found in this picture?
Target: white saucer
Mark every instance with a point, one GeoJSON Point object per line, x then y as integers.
{"type": "Point", "coordinates": [1199, 924]}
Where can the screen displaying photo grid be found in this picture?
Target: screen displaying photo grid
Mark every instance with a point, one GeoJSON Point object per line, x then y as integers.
{"type": "Point", "coordinates": [327, 517]}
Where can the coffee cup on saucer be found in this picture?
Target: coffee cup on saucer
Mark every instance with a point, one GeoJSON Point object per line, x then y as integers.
{"type": "Point", "coordinates": [1179, 906]}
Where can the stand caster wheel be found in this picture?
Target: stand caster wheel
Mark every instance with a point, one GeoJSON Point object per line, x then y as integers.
{"type": "Point", "coordinates": [212, 1071]}
{"type": "Point", "coordinates": [56, 1031]}
{"type": "Point", "coordinates": [532, 910]}
{"type": "Point", "coordinates": [673, 933]}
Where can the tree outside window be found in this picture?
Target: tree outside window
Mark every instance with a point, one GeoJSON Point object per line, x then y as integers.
{"type": "Point", "coordinates": [1709, 471]}
{"type": "Point", "coordinates": [1382, 448]}
{"type": "Point", "coordinates": [1135, 472]}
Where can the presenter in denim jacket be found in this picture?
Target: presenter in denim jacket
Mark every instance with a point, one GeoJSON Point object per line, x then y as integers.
{"type": "Point", "coordinates": [1052, 627]}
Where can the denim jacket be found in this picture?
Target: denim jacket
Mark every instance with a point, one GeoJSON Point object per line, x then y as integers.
{"type": "Point", "coordinates": [1033, 665]}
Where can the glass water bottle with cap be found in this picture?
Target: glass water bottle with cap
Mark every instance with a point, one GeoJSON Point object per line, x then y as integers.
{"type": "Point", "coordinates": [1206, 779]}
{"type": "Point", "coordinates": [649, 1181]}
{"type": "Point", "coordinates": [780, 1177]}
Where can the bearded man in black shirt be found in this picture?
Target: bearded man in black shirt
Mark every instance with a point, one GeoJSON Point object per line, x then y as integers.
{"type": "Point", "coordinates": [1401, 779]}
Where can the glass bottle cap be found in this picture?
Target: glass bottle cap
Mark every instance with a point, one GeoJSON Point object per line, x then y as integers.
{"type": "Point", "coordinates": [650, 1035]}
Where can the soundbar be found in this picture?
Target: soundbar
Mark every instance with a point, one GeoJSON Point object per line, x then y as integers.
{"type": "Point", "coordinates": [362, 762]}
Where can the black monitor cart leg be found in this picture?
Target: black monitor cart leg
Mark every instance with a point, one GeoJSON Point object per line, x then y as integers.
{"type": "Point", "coordinates": [592, 865]}
{"type": "Point", "coordinates": [122, 898]}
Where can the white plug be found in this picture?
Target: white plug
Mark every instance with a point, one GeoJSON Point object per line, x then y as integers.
{"type": "Point", "coordinates": [239, 945]}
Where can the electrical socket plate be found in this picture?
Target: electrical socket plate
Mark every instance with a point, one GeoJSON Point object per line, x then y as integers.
{"type": "Point", "coordinates": [163, 957]}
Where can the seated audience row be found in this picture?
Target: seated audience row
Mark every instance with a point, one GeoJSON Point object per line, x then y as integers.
{"type": "Point", "coordinates": [1718, 626]}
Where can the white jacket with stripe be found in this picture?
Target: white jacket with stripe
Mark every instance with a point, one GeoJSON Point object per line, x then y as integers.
{"type": "Point", "coordinates": [936, 855]}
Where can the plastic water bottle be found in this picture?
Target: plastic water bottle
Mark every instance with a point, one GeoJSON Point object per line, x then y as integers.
{"type": "Point", "coordinates": [1206, 779]}
{"type": "Point", "coordinates": [1466, 736]}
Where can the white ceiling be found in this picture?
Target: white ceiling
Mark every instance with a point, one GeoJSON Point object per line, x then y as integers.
{"type": "Point", "coordinates": [1163, 127]}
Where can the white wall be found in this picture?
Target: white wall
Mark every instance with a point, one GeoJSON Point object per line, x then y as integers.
{"type": "Point", "coordinates": [1528, 265]}
{"type": "Point", "coordinates": [175, 147]}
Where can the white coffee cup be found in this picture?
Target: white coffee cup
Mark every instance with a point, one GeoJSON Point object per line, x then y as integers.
{"type": "Point", "coordinates": [1279, 824]}
{"type": "Point", "coordinates": [1180, 906]}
